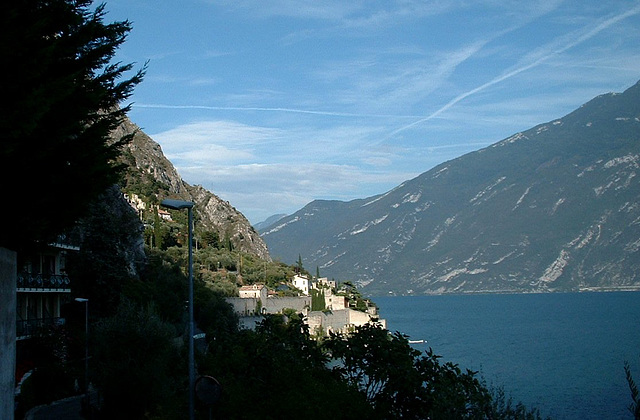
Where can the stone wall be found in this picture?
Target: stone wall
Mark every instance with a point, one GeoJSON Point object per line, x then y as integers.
{"type": "Point", "coordinates": [275, 305]}
{"type": "Point", "coordinates": [341, 320]}
{"type": "Point", "coordinates": [328, 321]}
{"type": "Point", "coordinates": [243, 306]}
{"type": "Point", "coordinates": [247, 306]}
{"type": "Point", "coordinates": [335, 302]}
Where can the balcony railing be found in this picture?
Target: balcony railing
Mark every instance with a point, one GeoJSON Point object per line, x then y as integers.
{"type": "Point", "coordinates": [26, 328]}
{"type": "Point", "coordinates": [43, 281]}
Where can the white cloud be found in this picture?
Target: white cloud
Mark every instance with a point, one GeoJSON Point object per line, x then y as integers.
{"type": "Point", "coordinates": [238, 161]}
{"type": "Point", "coordinates": [271, 126]}
{"type": "Point", "coordinates": [533, 59]}
{"type": "Point", "coordinates": [379, 161]}
{"type": "Point", "coordinates": [205, 143]}
{"type": "Point", "coordinates": [203, 81]}
{"type": "Point", "coordinates": [208, 154]}
{"type": "Point", "coordinates": [301, 9]}
{"type": "Point", "coordinates": [212, 142]}
{"type": "Point", "coordinates": [308, 111]}
{"type": "Point", "coordinates": [379, 83]}
{"type": "Point", "coordinates": [214, 132]}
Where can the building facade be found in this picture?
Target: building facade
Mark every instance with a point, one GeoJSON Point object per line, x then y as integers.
{"type": "Point", "coordinates": [43, 286]}
{"type": "Point", "coordinates": [302, 283]}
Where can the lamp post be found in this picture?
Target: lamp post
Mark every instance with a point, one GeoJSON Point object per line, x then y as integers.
{"type": "Point", "coordinates": [181, 205]}
{"type": "Point", "coordinates": [86, 347]}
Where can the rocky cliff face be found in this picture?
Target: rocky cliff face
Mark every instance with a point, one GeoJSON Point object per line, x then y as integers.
{"type": "Point", "coordinates": [147, 158]}
{"type": "Point", "coordinates": [221, 216]}
{"type": "Point", "coordinates": [152, 175]}
{"type": "Point", "coordinates": [553, 208]}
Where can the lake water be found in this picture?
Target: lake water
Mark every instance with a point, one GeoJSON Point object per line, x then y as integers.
{"type": "Point", "coordinates": [561, 353]}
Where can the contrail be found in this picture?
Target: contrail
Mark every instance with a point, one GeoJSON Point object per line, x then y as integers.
{"type": "Point", "coordinates": [588, 35]}
{"type": "Point", "coordinates": [265, 109]}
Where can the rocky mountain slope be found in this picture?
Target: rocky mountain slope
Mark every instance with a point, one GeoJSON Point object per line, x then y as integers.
{"type": "Point", "coordinates": [553, 208]}
{"type": "Point", "coordinates": [152, 176]}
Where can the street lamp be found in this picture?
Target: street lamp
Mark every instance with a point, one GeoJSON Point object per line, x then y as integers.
{"type": "Point", "coordinates": [86, 347]}
{"type": "Point", "coordinates": [181, 205]}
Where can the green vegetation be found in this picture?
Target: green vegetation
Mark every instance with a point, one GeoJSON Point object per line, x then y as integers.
{"type": "Point", "coordinates": [356, 301]}
{"type": "Point", "coordinates": [141, 182]}
{"type": "Point", "coordinates": [64, 97]}
{"type": "Point", "coordinates": [401, 383]}
{"type": "Point", "coordinates": [139, 361]}
{"type": "Point", "coordinates": [278, 370]}
{"type": "Point", "coordinates": [138, 348]}
{"type": "Point", "coordinates": [317, 300]}
{"type": "Point", "coordinates": [136, 344]}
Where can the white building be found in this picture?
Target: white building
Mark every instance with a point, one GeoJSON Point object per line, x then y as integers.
{"type": "Point", "coordinates": [136, 203]}
{"type": "Point", "coordinates": [164, 215]}
{"type": "Point", "coordinates": [254, 301]}
{"type": "Point", "coordinates": [257, 291]}
{"type": "Point", "coordinates": [302, 283]}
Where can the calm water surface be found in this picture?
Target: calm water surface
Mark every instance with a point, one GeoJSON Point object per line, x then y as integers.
{"type": "Point", "coordinates": [562, 353]}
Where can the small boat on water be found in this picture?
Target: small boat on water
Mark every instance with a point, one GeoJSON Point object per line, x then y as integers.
{"type": "Point", "coordinates": [416, 341]}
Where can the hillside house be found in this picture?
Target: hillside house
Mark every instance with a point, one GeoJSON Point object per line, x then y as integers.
{"type": "Point", "coordinates": [256, 291]}
{"type": "Point", "coordinates": [136, 203]}
{"type": "Point", "coordinates": [302, 283]}
{"type": "Point", "coordinates": [251, 301]}
{"type": "Point", "coordinates": [164, 215]}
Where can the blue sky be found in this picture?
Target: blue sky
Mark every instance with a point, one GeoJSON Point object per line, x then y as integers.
{"type": "Point", "coordinates": [272, 104]}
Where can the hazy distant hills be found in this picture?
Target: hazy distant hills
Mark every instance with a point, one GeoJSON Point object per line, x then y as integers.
{"type": "Point", "coordinates": [553, 208]}
{"type": "Point", "coordinates": [271, 220]}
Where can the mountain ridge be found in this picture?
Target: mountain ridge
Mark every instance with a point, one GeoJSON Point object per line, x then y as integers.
{"type": "Point", "coordinates": [269, 221]}
{"type": "Point", "coordinates": [552, 208]}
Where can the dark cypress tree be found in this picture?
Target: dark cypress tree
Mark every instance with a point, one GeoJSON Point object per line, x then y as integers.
{"type": "Point", "coordinates": [61, 99]}
{"type": "Point", "coordinates": [157, 230]}
{"type": "Point", "coordinates": [317, 300]}
{"type": "Point", "coordinates": [299, 266]}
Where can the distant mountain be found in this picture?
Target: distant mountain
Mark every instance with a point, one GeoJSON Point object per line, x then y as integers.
{"type": "Point", "coordinates": [152, 177]}
{"type": "Point", "coordinates": [553, 208]}
{"type": "Point", "coordinates": [265, 224]}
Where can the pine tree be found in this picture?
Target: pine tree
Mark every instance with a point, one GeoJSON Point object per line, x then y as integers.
{"type": "Point", "coordinates": [61, 100]}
